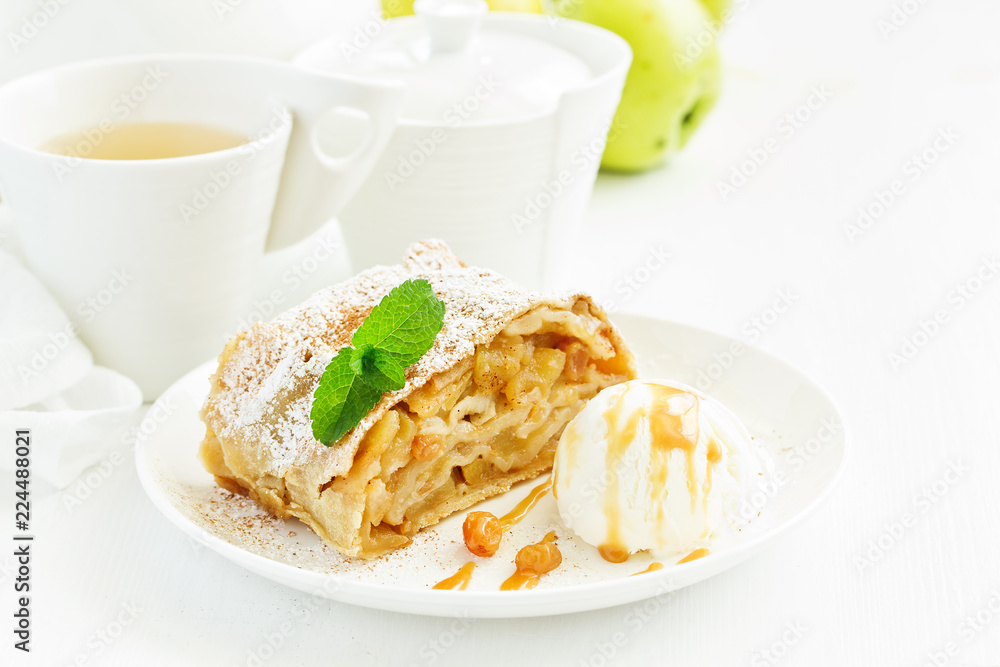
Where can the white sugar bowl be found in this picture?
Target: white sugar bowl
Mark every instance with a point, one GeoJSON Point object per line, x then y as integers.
{"type": "Point", "coordinates": [500, 137]}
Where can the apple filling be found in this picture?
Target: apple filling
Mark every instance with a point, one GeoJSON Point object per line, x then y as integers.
{"type": "Point", "coordinates": [490, 421]}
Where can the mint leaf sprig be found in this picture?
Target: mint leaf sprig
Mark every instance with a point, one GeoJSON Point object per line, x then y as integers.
{"type": "Point", "coordinates": [398, 331]}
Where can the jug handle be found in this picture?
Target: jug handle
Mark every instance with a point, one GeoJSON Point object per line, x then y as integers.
{"type": "Point", "coordinates": [315, 183]}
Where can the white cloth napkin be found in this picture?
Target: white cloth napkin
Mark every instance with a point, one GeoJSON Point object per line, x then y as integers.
{"type": "Point", "coordinates": [72, 430]}
{"type": "Point", "coordinates": [40, 354]}
{"type": "Point", "coordinates": [50, 385]}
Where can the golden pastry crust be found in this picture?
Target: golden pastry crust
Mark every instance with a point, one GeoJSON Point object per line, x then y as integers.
{"type": "Point", "coordinates": [480, 411]}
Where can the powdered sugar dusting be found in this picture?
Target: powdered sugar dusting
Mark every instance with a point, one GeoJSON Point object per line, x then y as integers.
{"type": "Point", "coordinates": [277, 365]}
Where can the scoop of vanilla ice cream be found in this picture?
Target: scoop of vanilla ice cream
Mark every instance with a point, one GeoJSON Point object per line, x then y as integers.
{"type": "Point", "coordinates": [655, 465]}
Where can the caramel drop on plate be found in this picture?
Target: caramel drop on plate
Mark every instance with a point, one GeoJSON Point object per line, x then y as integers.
{"type": "Point", "coordinates": [694, 555]}
{"type": "Point", "coordinates": [458, 581]}
{"type": "Point", "coordinates": [613, 554]}
{"type": "Point", "coordinates": [653, 567]}
{"type": "Point", "coordinates": [519, 581]}
{"type": "Point", "coordinates": [522, 508]}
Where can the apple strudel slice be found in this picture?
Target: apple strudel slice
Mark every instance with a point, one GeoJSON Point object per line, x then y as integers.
{"type": "Point", "coordinates": [483, 409]}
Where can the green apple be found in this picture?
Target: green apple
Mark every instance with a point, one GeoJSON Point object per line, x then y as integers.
{"type": "Point", "coordinates": [394, 8]}
{"type": "Point", "coordinates": [717, 8]}
{"type": "Point", "coordinates": [672, 84]}
{"type": "Point", "coordinates": [531, 6]}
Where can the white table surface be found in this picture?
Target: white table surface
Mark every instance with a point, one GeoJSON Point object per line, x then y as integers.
{"type": "Point", "coordinates": [114, 557]}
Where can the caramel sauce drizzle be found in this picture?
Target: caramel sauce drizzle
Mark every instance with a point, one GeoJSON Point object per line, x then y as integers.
{"type": "Point", "coordinates": [653, 567]}
{"type": "Point", "coordinates": [673, 424]}
{"type": "Point", "coordinates": [694, 555]}
{"type": "Point", "coordinates": [571, 434]}
{"type": "Point", "coordinates": [714, 456]}
{"type": "Point", "coordinates": [526, 505]}
{"type": "Point", "coordinates": [458, 581]}
{"type": "Point", "coordinates": [621, 434]}
{"type": "Point", "coordinates": [522, 579]}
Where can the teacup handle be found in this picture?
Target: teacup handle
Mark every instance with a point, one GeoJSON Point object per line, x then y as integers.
{"type": "Point", "coordinates": [340, 127]}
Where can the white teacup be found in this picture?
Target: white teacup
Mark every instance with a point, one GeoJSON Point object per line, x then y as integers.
{"type": "Point", "coordinates": [154, 258]}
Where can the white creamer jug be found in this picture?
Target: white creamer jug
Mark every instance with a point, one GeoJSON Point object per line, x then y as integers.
{"type": "Point", "coordinates": [499, 139]}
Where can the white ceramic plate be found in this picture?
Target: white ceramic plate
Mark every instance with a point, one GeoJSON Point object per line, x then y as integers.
{"type": "Point", "coordinates": [783, 409]}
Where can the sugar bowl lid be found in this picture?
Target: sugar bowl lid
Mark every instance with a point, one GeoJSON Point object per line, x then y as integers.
{"type": "Point", "coordinates": [459, 67]}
